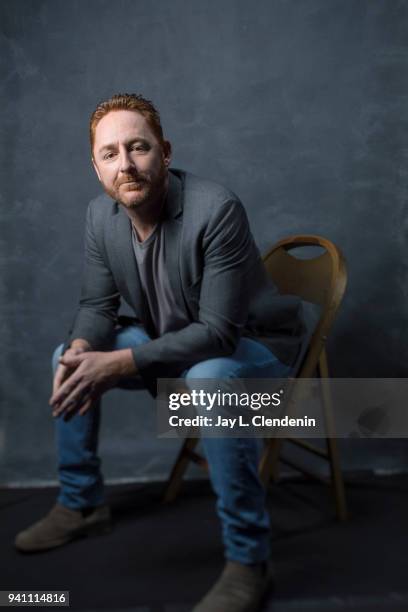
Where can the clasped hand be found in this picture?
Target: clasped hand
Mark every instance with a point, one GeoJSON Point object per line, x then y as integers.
{"type": "Point", "coordinates": [81, 378]}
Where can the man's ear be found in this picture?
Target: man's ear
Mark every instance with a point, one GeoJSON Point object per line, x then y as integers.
{"type": "Point", "coordinates": [166, 152]}
{"type": "Point", "coordinates": [96, 169]}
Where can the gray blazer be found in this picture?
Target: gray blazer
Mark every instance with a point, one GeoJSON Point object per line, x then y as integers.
{"type": "Point", "coordinates": [214, 268]}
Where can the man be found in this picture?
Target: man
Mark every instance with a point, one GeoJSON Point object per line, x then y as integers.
{"type": "Point", "coordinates": [179, 251]}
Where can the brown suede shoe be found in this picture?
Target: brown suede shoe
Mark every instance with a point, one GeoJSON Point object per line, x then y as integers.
{"type": "Point", "coordinates": [240, 588]}
{"type": "Point", "coordinates": [61, 525]}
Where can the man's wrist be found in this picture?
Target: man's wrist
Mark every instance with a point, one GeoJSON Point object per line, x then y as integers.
{"type": "Point", "coordinates": [124, 364]}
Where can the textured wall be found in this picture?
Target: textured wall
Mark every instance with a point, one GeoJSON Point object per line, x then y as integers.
{"type": "Point", "coordinates": [300, 107]}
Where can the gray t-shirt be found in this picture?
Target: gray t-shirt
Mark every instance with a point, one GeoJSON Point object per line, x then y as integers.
{"type": "Point", "coordinates": [166, 313]}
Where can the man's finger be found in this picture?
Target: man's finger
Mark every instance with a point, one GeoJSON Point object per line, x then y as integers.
{"type": "Point", "coordinates": [71, 360]}
{"type": "Point", "coordinates": [84, 408]}
{"type": "Point", "coordinates": [64, 370]}
{"type": "Point", "coordinates": [60, 376]}
{"type": "Point", "coordinates": [75, 399]}
{"type": "Point", "coordinates": [66, 388]}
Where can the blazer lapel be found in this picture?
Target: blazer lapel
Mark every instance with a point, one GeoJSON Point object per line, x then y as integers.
{"type": "Point", "coordinates": [172, 226]}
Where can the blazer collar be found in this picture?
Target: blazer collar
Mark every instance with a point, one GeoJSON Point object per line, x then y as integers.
{"type": "Point", "coordinates": [172, 226]}
{"type": "Point", "coordinates": [174, 198]}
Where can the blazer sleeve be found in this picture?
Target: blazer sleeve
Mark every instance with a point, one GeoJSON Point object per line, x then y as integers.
{"type": "Point", "coordinates": [99, 302]}
{"type": "Point", "coordinates": [229, 252]}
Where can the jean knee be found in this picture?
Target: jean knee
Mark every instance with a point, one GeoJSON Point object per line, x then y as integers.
{"type": "Point", "coordinates": [217, 367]}
{"type": "Point", "coordinates": [217, 374]}
{"type": "Point", "coordinates": [56, 355]}
{"type": "Point", "coordinates": [129, 337]}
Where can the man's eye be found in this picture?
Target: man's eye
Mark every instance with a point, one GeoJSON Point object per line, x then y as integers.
{"type": "Point", "coordinates": [109, 155]}
{"type": "Point", "coordinates": [137, 148]}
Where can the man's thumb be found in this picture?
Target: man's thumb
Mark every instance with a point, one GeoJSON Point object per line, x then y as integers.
{"type": "Point", "coordinates": [71, 360]}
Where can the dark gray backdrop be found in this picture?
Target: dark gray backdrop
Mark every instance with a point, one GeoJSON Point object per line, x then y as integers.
{"type": "Point", "coordinates": [300, 107]}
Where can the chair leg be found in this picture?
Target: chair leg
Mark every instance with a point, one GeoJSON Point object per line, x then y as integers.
{"type": "Point", "coordinates": [180, 465]}
{"type": "Point", "coordinates": [269, 463]}
{"type": "Point", "coordinates": [331, 441]}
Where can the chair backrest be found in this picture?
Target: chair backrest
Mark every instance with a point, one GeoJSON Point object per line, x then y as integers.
{"type": "Point", "coordinates": [320, 280]}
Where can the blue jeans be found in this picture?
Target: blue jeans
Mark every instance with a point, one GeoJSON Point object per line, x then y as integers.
{"type": "Point", "coordinates": [233, 462]}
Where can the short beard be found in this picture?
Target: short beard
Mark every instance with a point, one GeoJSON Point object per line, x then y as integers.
{"type": "Point", "coordinates": [155, 191]}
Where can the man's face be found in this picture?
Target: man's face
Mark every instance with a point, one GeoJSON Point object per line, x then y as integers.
{"type": "Point", "coordinates": [129, 160]}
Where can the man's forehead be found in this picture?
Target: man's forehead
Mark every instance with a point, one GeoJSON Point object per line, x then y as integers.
{"type": "Point", "coordinates": [121, 124]}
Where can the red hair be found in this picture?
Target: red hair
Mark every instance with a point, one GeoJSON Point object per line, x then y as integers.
{"type": "Point", "coordinates": [133, 102]}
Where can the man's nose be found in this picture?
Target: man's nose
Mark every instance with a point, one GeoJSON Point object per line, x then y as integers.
{"type": "Point", "coordinates": [125, 160]}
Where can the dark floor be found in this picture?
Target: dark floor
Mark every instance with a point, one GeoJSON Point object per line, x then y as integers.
{"type": "Point", "coordinates": [163, 558]}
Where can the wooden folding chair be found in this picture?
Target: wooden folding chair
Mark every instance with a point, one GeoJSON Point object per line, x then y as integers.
{"type": "Point", "coordinates": [320, 280]}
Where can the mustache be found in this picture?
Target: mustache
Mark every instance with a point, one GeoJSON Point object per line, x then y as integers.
{"type": "Point", "coordinates": [130, 178]}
